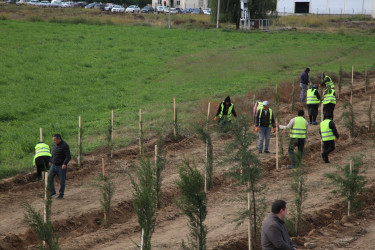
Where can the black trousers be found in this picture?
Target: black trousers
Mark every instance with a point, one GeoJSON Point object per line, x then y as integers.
{"type": "Point", "coordinates": [328, 147]}
{"type": "Point", "coordinates": [296, 142]}
{"type": "Point", "coordinates": [42, 164]}
{"type": "Point", "coordinates": [313, 111]}
{"type": "Point", "coordinates": [328, 109]}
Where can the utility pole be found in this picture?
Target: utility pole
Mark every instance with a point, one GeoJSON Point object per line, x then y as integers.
{"type": "Point", "coordinates": [218, 14]}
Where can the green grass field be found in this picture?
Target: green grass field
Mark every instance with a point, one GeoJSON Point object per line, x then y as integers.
{"type": "Point", "coordinates": [53, 72]}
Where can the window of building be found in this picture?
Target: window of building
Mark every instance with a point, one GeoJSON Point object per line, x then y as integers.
{"type": "Point", "coordinates": [301, 7]}
{"type": "Point", "coordinates": [159, 2]}
{"type": "Point", "coordinates": [178, 2]}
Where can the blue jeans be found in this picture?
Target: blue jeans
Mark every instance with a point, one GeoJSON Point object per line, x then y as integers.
{"type": "Point", "coordinates": [304, 87]}
{"type": "Point", "coordinates": [264, 133]}
{"type": "Point", "coordinates": [57, 170]}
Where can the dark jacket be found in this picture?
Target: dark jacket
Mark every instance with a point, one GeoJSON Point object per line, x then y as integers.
{"type": "Point", "coordinates": [274, 234]}
{"type": "Point", "coordinates": [60, 154]}
{"type": "Point", "coordinates": [226, 107]}
{"type": "Point", "coordinates": [265, 119]}
{"type": "Point", "coordinates": [334, 129]}
{"type": "Point", "coordinates": [316, 93]}
{"type": "Point", "coordinates": [304, 78]}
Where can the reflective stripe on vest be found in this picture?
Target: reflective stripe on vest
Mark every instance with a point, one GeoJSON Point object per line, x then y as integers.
{"type": "Point", "coordinates": [41, 149]}
{"type": "Point", "coordinates": [260, 105]}
{"type": "Point", "coordinates": [327, 133]}
{"type": "Point", "coordinates": [299, 128]}
{"type": "Point", "coordinates": [329, 97]}
{"type": "Point", "coordinates": [229, 115]}
{"type": "Point", "coordinates": [260, 115]}
{"type": "Point", "coordinates": [311, 97]}
{"type": "Point", "coordinates": [330, 83]}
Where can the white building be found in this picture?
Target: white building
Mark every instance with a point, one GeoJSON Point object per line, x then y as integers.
{"type": "Point", "coordinates": [181, 3]}
{"type": "Point", "coordinates": [337, 7]}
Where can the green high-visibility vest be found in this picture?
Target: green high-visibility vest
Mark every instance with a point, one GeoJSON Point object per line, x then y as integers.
{"type": "Point", "coordinates": [329, 97]}
{"type": "Point", "coordinates": [311, 97]}
{"type": "Point", "coordinates": [260, 115]}
{"type": "Point", "coordinates": [327, 133]}
{"type": "Point", "coordinates": [299, 128]}
{"type": "Point", "coordinates": [260, 105]}
{"type": "Point", "coordinates": [229, 115]}
{"type": "Point", "coordinates": [330, 83]}
{"type": "Point", "coordinates": [41, 149]}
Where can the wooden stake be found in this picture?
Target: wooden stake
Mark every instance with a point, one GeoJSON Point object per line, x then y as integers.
{"type": "Point", "coordinates": [143, 232]}
{"type": "Point", "coordinates": [369, 108]}
{"type": "Point", "coordinates": [103, 173]}
{"type": "Point", "coordinates": [174, 117]}
{"type": "Point", "coordinates": [349, 205]}
{"type": "Point", "coordinates": [249, 220]}
{"type": "Point", "coordinates": [365, 79]}
{"type": "Point", "coordinates": [352, 76]}
{"type": "Point", "coordinates": [140, 132]}
{"type": "Point", "coordinates": [45, 175]}
{"type": "Point", "coordinates": [112, 119]}
{"type": "Point", "coordinates": [79, 141]}
{"type": "Point", "coordinates": [277, 148]}
{"type": "Point", "coordinates": [41, 134]}
{"type": "Point", "coordinates": [206, 165]}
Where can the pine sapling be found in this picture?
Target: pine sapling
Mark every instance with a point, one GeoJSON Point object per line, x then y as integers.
{"type": "Point", "coordinates": [204, 135]}
{"type": "Point", "coordinates": [109, 137]}
{"type": "Point", "coordinates": [144, 200]}
{"type": "Point", "coordinates": [350, 185]}
{"type": "Point", "coordinates": [107, 189]}
{"type": "Point", "coordinates": [193, 203]}
{"type": "Point", "coordinates": [159, 167]}
{"type": "Point", "coordinates": [348, 118]}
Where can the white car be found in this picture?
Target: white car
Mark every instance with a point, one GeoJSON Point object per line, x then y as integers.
{"type": "Point", "coordinates": [117, 8]}
{"type": "Point", "coordinates": [132, 9]}
{"type": "Point", "coordinates": [45, 4]}
{"type": "Point", "coordinates": [67, 4]}
{"type": "Point", "coordinates": [162, 9]}
{"type": "Point", "coordinates": [33, 2]}
{"type": "Point", "coordinates": [207, 11]}
{"type": "Point", "coordinates": [109, 6]}
{"type": "Point", "coordinates": [173, 11]}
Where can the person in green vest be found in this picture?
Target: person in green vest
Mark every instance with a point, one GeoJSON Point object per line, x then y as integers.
{"type": "Point", "coordinates": [327, 81]}
{"type": "Point", "coordinates": [329, 102]}
{"type": "Point", "coordinates": [313, 100]}
{"type": "Point", "coordinates": [257, 105]}
{"type": "Point", "coordinates": [265, 120]}
{"type": "Point", "coordinates": [298, 132]}
{"type": "Point", "coordinates": [329, 134]}
{"type": "Point", "coordinates": [225, 112]}
{"type": "Point", "coordinates": [41, 159]}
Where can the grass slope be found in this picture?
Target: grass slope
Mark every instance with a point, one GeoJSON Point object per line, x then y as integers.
{"type": "Point", "coordinates": [51, 73]}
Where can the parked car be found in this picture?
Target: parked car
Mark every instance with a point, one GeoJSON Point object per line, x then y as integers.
{"type": "Point", "coordinates": [132, 9]}
{"type": "Point", "coordinates": [173, 11]}
{"type": "Point", "coordinates": [67, 4]}
{"type": "Point", "coordinates": [162, 9]}
{"type": "Point", "coordinates": [179, 10]}
{"type": "Point", "coordinates": [11, 2]}
{"type": "Point", "coordinates": [99, 6]}
{"type": "Point", "coordinates": [45, 4]}
{"type": "Point", "coordinates": [147, 9]}
{"type": "Point", "coordinates": [33, 2]}
{"type": "Point", "coordinates": [56, 4]}
{"type": "Point", "coordinates": [187, 10]}
{"type": "Point", "coordinates": [108, 6]}
{"type": "Point", "coordinates": [80, 4]}
{"type": "Point", "coordinates": [117, 8]}
{"type": "Point", "coordinates": [20, 2]}
{"type": "Point", "coordinates": [197, 11]}
{"type": "Point", "coordinates": [90, 6]}
{"type": "Point", "coordinates": [207, 11]}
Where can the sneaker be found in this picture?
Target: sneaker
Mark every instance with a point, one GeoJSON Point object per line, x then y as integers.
{"type": "Point", "coordinates": [311, 122]}
{"type": "Point", "coordinates": [267, 152]}
{"type": "Point", "coordinates": [60, 197]}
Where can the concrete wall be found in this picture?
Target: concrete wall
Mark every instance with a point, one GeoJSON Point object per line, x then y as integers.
{"type": "Point", "coordinates": [330, 6]}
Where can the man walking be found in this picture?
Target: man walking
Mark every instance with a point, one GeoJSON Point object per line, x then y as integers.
{"type": "Point", "coordinates": [274, 233]}
{"type": "Point", "coordinates": [329, 102]}
{"type": "Point", "coordinates": [304, 82]}
{"type": "Point", "coordinates": [264, 122]}
{"type": "Point", "coordinates": [60, 159]}
{"type": "Point", "coordinates": [298, 131]}
{"type": "Point", "coordinates": [224, 112]}
{"type": "Point", "coordinates": [41, 159]}
{"type": "Point", "coordinates": [313, 100]}
{"type": "Point", "coordinates": [329, 134]}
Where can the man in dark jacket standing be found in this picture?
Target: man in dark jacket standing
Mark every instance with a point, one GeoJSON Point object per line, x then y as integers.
{"type": "Point", "coordinates": [304, 83]}
{"type": "Point", "coordinates": [59, 160]}
{"type": "Point", "coordinates": [225, 111]}
{"type": "Point", "coordinates": [274, 234]}
{"type": "Point", "coordinates": [264, 122]}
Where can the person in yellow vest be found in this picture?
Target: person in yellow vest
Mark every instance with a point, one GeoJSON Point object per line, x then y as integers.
{"type": "Point", "coordinates": [298, 132]}
{"type": "Point", "coordinates": [313, 100]}
{"type": "Point", "coordinates": [264, 122]}
{"type": "Point", "coordinates": [258, 105]}
{"type": "Point", "coordinates": [225, 112]}
{"type": "Point", "coordinates": [329, 134]}
{"type": "Point", "coordinates": [41, 159]}
{"type": "Point", "coordinates": [329, 102]}
{"type": "Point", "coordinates": [327, 81]}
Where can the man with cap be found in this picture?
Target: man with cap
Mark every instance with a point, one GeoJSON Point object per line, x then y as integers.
{"type": "Point", "coordinates": [313, 100]}
{"type": "Point", "coordinates": [225, 111]}
{"type": "Point", "coordinates": [258, 105]}
{"type": "Point", "coordinates": [304, 82]}
{"type": "Point", "coordinates": [298, 132]}
{"type": "Point", "coordinates": [329, 134]}
{"type": "Point", "coordinates": [264, 122]}
{"type": "Point", "coordinates": [41, 159]}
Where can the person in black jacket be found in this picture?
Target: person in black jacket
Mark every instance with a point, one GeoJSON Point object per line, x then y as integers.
{"type": "Point", "coordinates": [274, 234]}
{"type": "Point", "coordinates": [59, 162]}
{"type": "Point", "coordinates": [329, 134]}
{"type": "Point", "coordinates": [264, 122]}
{"type": "Point", "coordinates": [225, 112]}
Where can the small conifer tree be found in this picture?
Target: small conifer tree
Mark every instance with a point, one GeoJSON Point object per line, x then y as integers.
{"type": "Point", "coordinates": [193, 203]}
{"type": "Point", "coordinates": [204, 135]}
{"type": "Point", "coordinates": [348, 118]}
{"type": "Point", "coordinates": [159, 167]}
{"type": "Point", "coordinates": [107, 190]}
